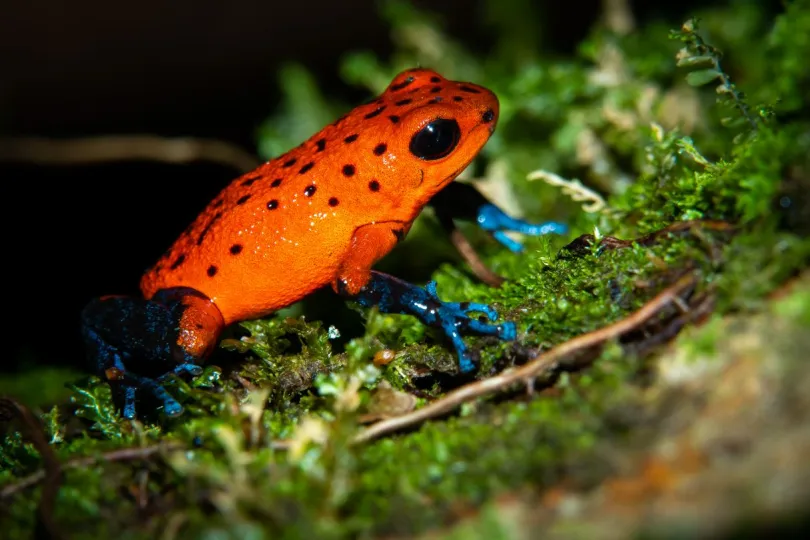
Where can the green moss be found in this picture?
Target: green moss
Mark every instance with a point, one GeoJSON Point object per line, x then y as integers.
{"type": "Point", "coordinates": [620, 116]}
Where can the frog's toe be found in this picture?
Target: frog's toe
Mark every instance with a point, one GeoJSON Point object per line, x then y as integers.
{"type": "Point", "coordinates": [507, 331]}
{"type": "Point", "coordinates": [129, 402]}
{"type": "Point", "coordinates": [503, 239]}
{"type": "Point", "coordinates": [460, 309]}
{"type": "Point", "coordinates": [185, 368]}
{"type": "Point", "coordinates": [496, 221]}
{"type": "Point", "coordinates": [171, 407]}
{"type": "Point", "coordinates": [466, 309]}
{"type": "Point", "coordinates": [455, 321]}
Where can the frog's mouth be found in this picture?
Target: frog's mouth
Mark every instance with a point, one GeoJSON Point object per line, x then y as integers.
{"type": "Point", "coordinates": [445, 180]}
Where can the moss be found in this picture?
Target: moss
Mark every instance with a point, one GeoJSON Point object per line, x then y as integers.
{"type": "Point", "coordinates": [618, 115]}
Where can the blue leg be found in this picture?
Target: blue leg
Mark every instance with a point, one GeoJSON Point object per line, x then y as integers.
{"type": "Point", "coordinates": [392, 295]}
{"type": "Point", "coordinates": [129, 401]}
{"type": "Point", "coordinates": [171, 407]}
{"type": "Point", "coordinates": [137, 343]}
{"type": "Point", "coordinates": [494, 220]}
{"type": "Point", "coordinates": [464, 202]}
{"type": "Point", "coordinates": [109, 362]}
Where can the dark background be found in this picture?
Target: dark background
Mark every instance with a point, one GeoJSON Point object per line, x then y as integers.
{"type": "Point", "coordinates": [184, 68]}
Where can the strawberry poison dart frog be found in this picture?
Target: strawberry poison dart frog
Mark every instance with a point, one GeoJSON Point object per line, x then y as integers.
{"type": "Point", "coordinates": [322, 214]}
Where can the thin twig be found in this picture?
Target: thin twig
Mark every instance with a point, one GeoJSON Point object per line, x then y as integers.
{"type": "Point", "coordinates": [479, 268]}
{"type": "Point", "coordinates": [122, 454]}
{"type": "Point", "coordinates": [701, 307]}
{"type": "Point", "coordinates": [583, 242]}
{"type": "Point", "coordinates": [108, 148]}
{"type": "Point", "coordinates": [546, 362]}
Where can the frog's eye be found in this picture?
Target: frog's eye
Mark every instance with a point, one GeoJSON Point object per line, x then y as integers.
{"type": "Point", "coordinates": [436, 140]}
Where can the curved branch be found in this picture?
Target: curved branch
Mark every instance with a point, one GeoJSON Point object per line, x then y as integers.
{"type": "Point", "coordinates": [122, 454]}
{"type": "Point", "coordinates": [107, 148]}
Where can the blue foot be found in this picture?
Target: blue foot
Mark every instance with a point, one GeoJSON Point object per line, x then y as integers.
{"type": "Point", "coordinates": [494, 220]}
{"type": "Point", "coordinates": [129, 402]}
{"type": "Point", "coordinates": [185, 368]}
{"type": "Point", "coordinates": [133, 383]}
{"type": "Point", "coordinates": [137, 343]}
{"type": "Point", "coordinates": [392, 295]}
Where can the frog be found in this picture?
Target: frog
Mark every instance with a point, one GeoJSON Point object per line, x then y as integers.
{"type": "Point", "coordinates": [321, 215]}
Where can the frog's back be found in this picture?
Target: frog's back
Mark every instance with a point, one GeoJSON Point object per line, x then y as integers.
{"type": "Point", "coordinates": [281, 231]}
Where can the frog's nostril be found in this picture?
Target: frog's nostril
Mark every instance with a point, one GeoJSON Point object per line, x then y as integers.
{"type": "Point", "coordinates": [488, 116]}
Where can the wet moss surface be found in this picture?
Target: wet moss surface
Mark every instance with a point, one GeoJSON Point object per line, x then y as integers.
{"type": "Point", "coordinates": [691, 164]}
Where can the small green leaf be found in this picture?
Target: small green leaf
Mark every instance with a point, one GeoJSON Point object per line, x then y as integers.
{"type": "Point", "coordinates": [702, 76]}
{"type": "Point", "coordinates": [689, 61]}
{"type": "Point", "coordinates": [733, 121]}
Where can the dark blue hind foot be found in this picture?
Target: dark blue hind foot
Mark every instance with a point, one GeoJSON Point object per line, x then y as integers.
{"type": "Point", "coordinates": [392, 295]}
{"type": "Point", "coordinates": [493, 220]}
{"type": "Point", "coordinates": [156, 338]}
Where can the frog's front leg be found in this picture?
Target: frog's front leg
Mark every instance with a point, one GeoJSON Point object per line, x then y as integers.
{"type": "Point", "coordinates": [135, 342]}
{"type": "Point", "coordinates": [392, 295]}
{"type": "Point", "coordinates": [463, 201]}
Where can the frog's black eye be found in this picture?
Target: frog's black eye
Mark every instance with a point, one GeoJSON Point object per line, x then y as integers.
{"type": "Point", "coordinates": [436, 140]}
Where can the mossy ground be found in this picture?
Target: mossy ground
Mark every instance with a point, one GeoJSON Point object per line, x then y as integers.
{"type": "Point", "coordinates": [655, 150]}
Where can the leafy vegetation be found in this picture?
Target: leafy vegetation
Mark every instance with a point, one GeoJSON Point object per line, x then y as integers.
{"type": "Point", "coordinates": [660, 127]}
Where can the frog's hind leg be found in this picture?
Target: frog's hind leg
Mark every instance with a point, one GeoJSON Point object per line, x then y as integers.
{"type": "Point", "coordinates": [463, 201]}
{"type": "Point", "coordinates": [458, 201]}
{"type": "Point", "coordinates": [135, 343]}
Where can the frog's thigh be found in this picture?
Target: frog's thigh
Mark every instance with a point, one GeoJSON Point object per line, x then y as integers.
{"type": "Point", "coordinates": [369, 244]}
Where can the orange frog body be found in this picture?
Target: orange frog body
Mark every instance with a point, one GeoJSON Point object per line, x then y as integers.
{"type": "Point", "coordinates": [322, 214]}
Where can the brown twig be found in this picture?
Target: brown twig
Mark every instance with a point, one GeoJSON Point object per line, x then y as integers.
{"type": "Point", "coordinates": [545, 363]}
{"type": "Point", "coordinates": [468, 253]}
{"type": "Point", "coordinates": [122, 454]}
{"type": "Point", "coordinates": [699, 309]}
{"type": "Point", "coordinates": [107, 148]}
{"type": "Point", "coordinates": [584, 242]}
{"type": "Point", "coordinates": [51, 473]}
